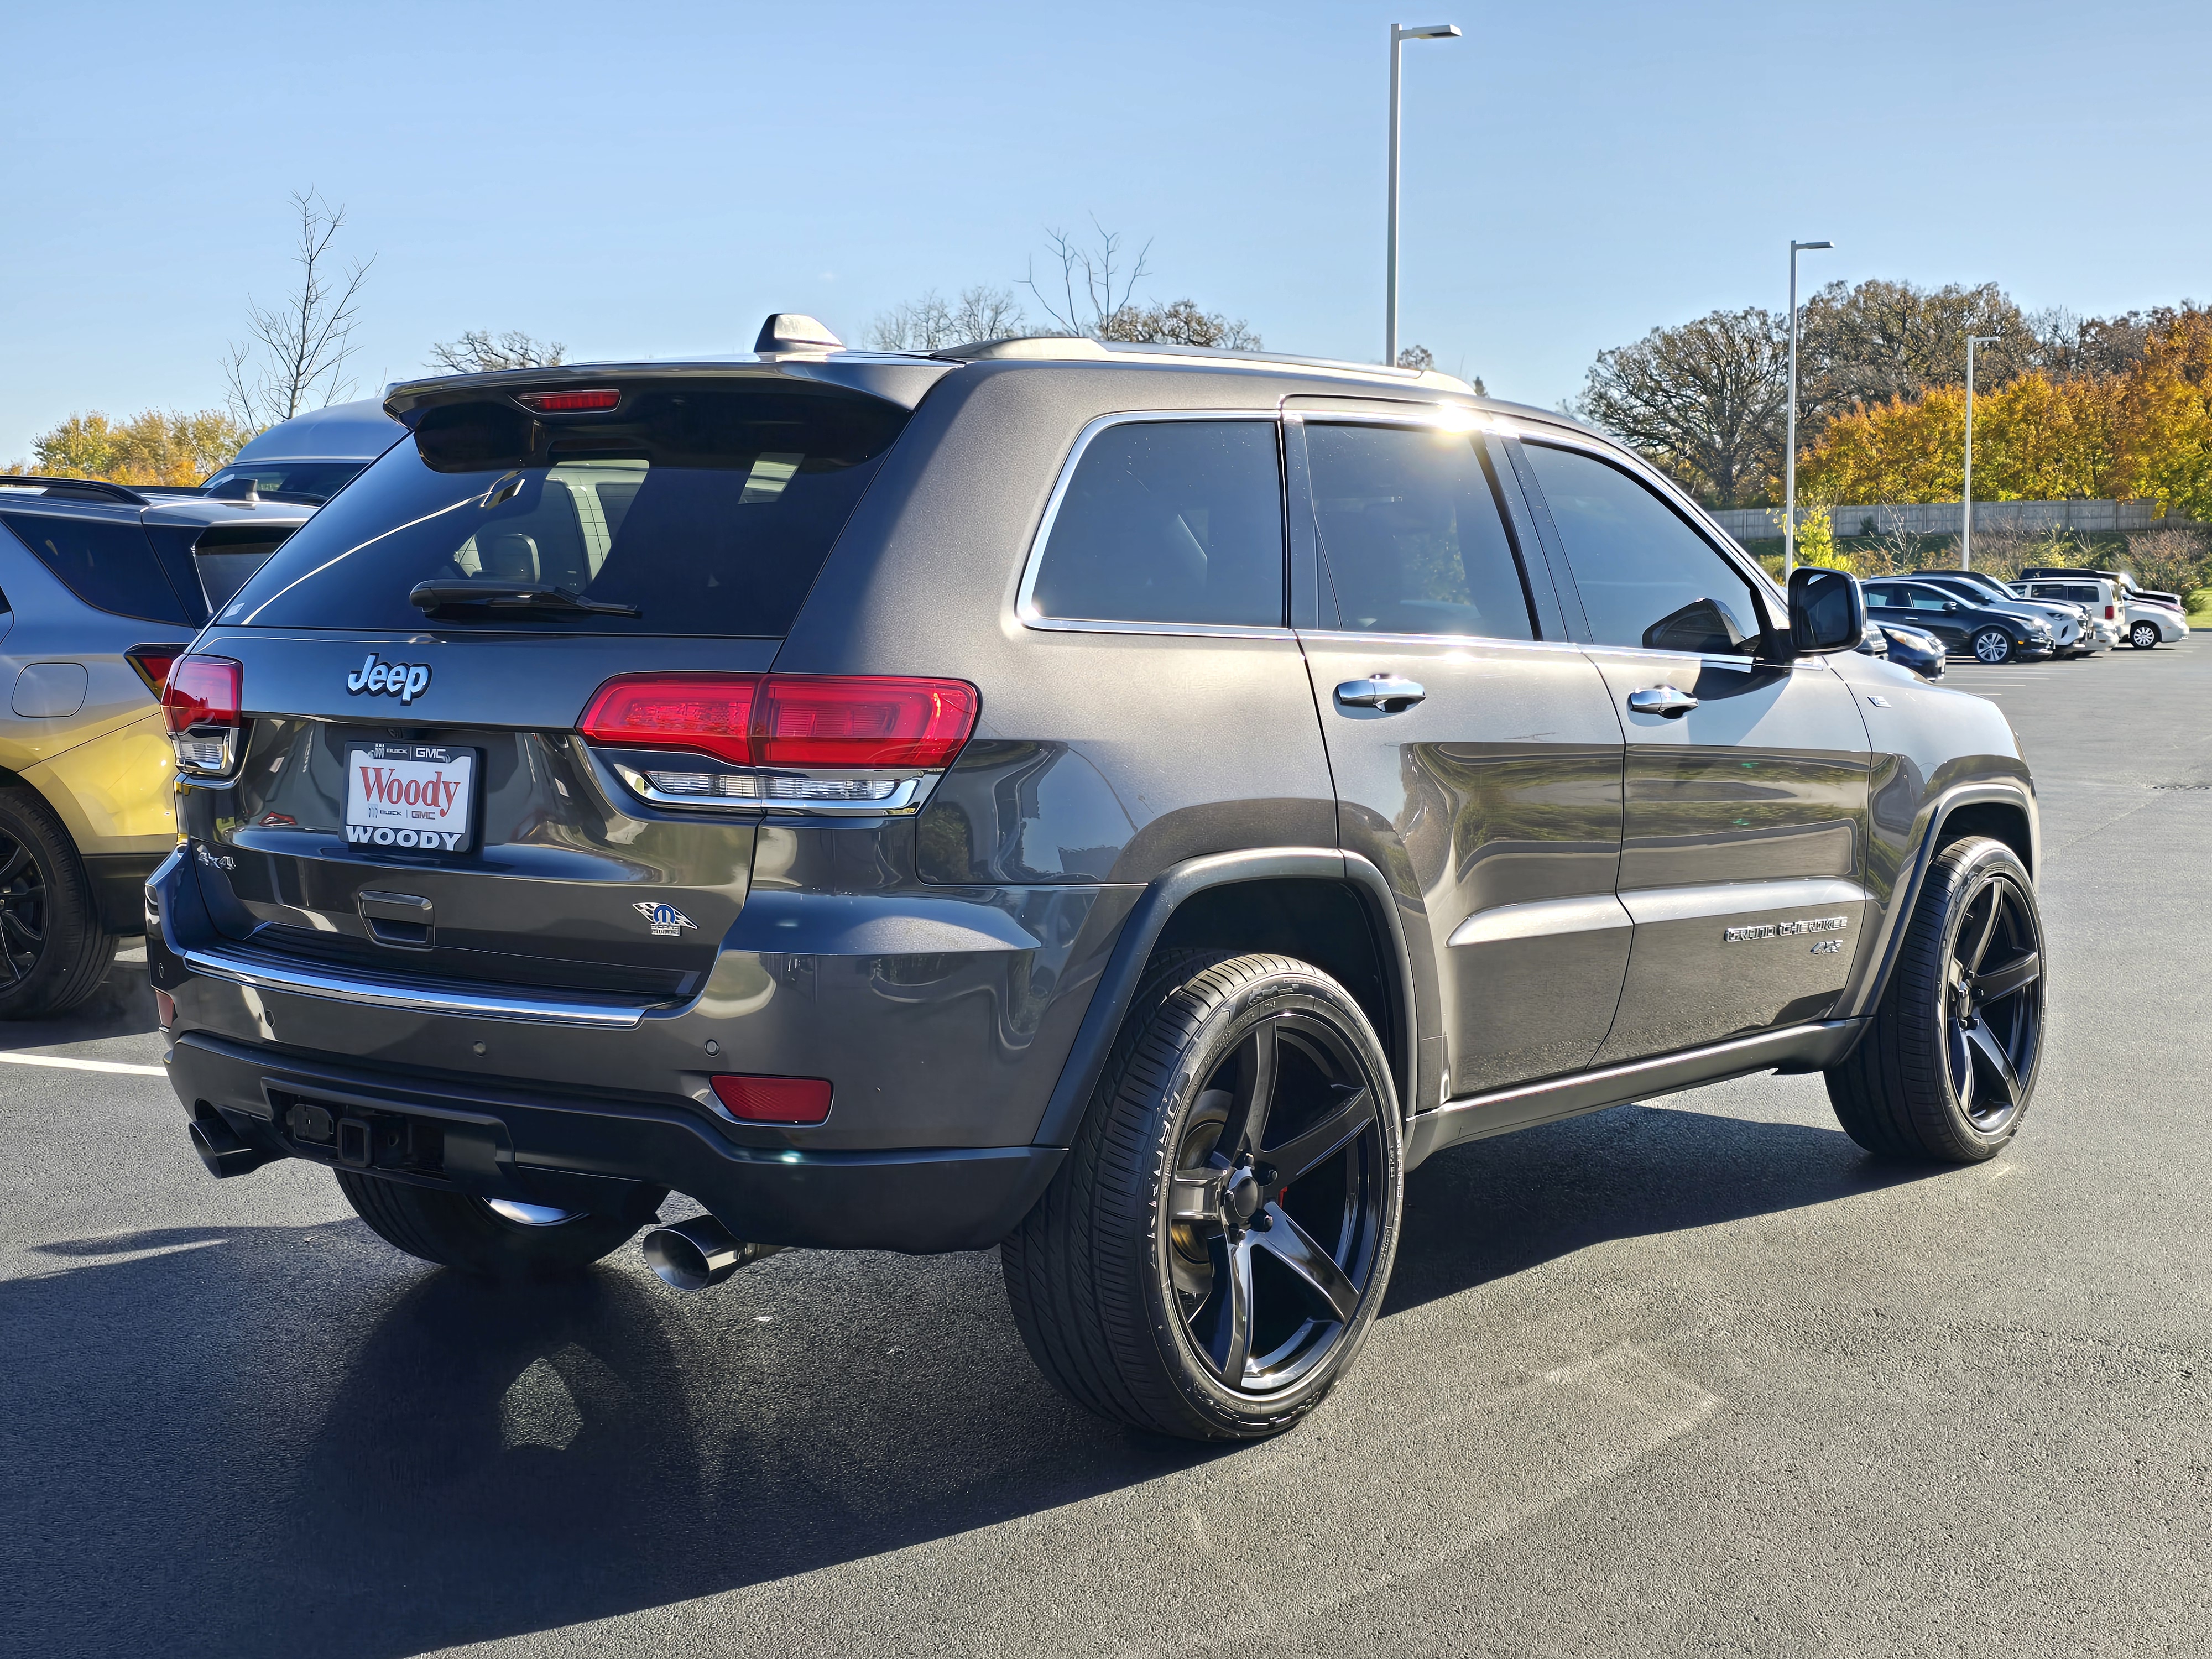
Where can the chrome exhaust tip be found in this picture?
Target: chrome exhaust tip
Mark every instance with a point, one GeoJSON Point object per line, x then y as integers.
{"type": "Point", "coordinates": [689, 1255]}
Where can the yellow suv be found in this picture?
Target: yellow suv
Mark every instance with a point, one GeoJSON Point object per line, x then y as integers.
{"type": "Point", "coordinates": [101, 587]}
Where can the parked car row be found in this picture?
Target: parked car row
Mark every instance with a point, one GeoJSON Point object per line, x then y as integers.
{"type": "Point", "coordinates": [2048, 613]}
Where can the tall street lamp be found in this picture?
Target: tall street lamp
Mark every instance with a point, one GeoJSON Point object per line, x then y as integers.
{"type": "Point", "coordinates": [1790, 460]}
{"type": "Point", "coordinates": [1966, 504]}
{"type": "Point", "coordinates": [1399, 34]}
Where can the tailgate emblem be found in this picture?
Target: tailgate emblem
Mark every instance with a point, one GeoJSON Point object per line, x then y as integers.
{"type": "Point", "coordinates": [666, 920]}
{"type": "Point", "coordinates": [404, 680]}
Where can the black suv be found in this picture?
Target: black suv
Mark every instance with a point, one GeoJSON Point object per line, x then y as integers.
{"type": "Point", "coordinates": [1124, 805]}
{"type": "Point", "coordinates": [1967, 626]}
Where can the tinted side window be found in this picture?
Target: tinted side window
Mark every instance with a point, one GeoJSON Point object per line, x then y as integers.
{"type": "Point", "coordinates": [1411, 533]}
{"type": "Point", "coordinates": [1169, 521]}
{"type": "Point", "coordinates": [105, 562]}
{"type": "Point", "coordinates": [1889, 599]}
{"type": "Point", "coordinates": [1646, 578]}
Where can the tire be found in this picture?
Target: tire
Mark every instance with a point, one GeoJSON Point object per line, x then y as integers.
{"type": "Point", "coordinates": [455, 1230]}
{"type": "Point", "coordinates": [1992, 646]}
{"type": "Point", "coordinates": [2144, 637]}
{"type": "Point", "coordinates": [1947, 1069]}
{"type": "Point", "coordinates": [1157, 1283]}
{"type": "Point", "coordinates": [53, 951]}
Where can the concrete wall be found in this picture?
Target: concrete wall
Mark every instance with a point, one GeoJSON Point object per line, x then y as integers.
{"type": "Point", "coordinates": [1944, 517]}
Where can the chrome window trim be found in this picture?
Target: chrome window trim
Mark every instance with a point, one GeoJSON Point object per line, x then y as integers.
{"type": "Point", "coordinates": [260, 972]}
{"type": "Point", "coordinates": [1350, 636]}
{"type": "Point", "coordinates": [1025, 609]}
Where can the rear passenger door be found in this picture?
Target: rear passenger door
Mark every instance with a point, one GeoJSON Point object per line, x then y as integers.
{"type": "Point", "coordinates": [1745, 788]}
{"type": "Point", "coordinates": [1476, 754]}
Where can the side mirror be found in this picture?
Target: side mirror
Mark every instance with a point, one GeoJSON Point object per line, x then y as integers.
{"type": "Point", "coordinates": [1950, 604]}
{"type": "Point", "coordinates": [1827, 611]}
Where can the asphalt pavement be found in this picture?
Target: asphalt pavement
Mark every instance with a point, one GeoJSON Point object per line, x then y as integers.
{"type": "Point", "coordinates": [1691, 1377]}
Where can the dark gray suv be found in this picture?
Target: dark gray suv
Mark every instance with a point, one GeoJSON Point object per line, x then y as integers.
{"type": "Point", "coordinates": [1122, 805]}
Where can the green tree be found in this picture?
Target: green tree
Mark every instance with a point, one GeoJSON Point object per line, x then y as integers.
{"type": "Point", "coordinates": [1704, 400]}
{"type": "Point", "coordinates": [155, 447]}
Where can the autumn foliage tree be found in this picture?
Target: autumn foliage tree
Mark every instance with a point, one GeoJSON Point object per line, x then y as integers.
{"type": "Point", "coordinates": [156, 447]}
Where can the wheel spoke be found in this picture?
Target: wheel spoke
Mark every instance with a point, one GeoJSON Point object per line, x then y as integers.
{"type": "Point", "coordinates": [1985, 1043]}
{"type": "Point", "coordinates": [1230, 1344]}
{"type": "Point", "coordinates": [17, 855]}
{"type": "Point", "coordinates": [1971, 956]}
{"type": "Point", "coordinates": [1333, 1294]}
{"type": "Point", "coordinates": [1254, 1093]}
{"type": "Point", "coordinates": [1302, 1154]}
{"type": "Point", "coordinates": [10, 922]}
{"type": "Point", "coordinates": [2008, 980]}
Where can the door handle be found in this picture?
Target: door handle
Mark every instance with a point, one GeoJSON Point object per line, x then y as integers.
{"type": "Point", "coordinates": [1670, 701]}
{"type": "Point", "coordinates": [1384, 691]}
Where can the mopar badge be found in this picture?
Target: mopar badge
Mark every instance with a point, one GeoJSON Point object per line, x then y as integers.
{"type": "Point", "coordinates": [666, 920]}
{"type": "Point", "coordinates": [404, 680]}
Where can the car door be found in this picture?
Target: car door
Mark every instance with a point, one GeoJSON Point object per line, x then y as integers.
{"type": "Point", "coordinates": [1746, 783]}
{"type": "Point", "coordinates": [1886, 601]}
{"type": "Point", "coordinates": [1946, 616]}
{"type": "Point", "coordinates": [1476, 754]}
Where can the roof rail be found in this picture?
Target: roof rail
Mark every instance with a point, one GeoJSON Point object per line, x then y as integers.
{"type": "Point", "coordinates": [99, 489]}
{"type": "Point", "coordinates": [1080, 348]}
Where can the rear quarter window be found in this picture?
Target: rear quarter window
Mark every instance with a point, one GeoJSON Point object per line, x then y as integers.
{"type": "Point", "coordinates": [1169, 521]}
{"type": "Point", "coordinates": [106, 563]}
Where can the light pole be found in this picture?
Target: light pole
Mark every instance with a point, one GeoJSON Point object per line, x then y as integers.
{"type": "Point", "coordinates": [1399, 34]}
{"type": "Point", "coordinates": [1966, 504]}
{"type": "Point", "coordinates": [1790, 460]}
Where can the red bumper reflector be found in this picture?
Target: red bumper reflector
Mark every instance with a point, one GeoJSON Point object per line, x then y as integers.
{"type": "Point", "coordinates": [204, 691]}
{"type": "Point", "coordinates": [165, 1009]}
{"type": "Point", "coordinates": [774, 1099]}
{"type": "Point", "coordinates": [570, 403]}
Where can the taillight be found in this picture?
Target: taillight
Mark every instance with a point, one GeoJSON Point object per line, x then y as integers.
{"type": "Point", "coordinates": [203, 700]}
{"type": "Point", "coordinates": [790, 1100]}
{"type": "Point", "coordinates": [804, 722]}
{"type": "Point", "coordinates": [2110, 614]}
{"type": "Point", "coordinates": [152, 664]}
{"type": "Point", "coordinates": [805, 742]}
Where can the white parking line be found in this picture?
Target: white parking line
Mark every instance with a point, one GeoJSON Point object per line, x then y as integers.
{"type": "Point", "coordinates": [84, 1065]}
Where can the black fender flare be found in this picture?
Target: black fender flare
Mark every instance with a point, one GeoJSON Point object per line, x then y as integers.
{"type": "Point", "coordinates": [1928, 835]}
{"type": "Point", "coordinates": [1148, 918]}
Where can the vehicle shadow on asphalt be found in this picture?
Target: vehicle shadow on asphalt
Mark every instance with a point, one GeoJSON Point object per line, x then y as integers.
{"type": "Point", "coordinates": [272, 1440]}
{"type": "Point", "coordinates": [1491, 1208]}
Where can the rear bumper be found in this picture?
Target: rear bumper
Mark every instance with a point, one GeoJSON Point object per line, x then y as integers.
{"type": "Point", "coordinates": [610, 1154]}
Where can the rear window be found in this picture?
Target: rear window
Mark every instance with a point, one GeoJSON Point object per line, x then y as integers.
{"type": "Point", "coordinates": [308, 482]}
{"type": "Point", "coordinates": [106, 563]}
{"type": "Point", "coordinates": [706, 509]}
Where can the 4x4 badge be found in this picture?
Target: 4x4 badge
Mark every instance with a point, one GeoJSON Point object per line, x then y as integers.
{"type": "Point", "coordinates": [404, 680]}
{"type": "Point", "coordinates": [666, 920]}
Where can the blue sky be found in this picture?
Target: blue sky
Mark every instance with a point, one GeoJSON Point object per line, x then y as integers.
{"type": "Point", "coordinates": [653, 178]}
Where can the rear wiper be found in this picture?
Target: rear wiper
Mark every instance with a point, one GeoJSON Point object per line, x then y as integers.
{"type": "Point", "coordinates": [511, 595]}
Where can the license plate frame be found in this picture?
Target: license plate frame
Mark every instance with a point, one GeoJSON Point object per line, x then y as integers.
{"type": "Point", "coordinates": [441, 820]}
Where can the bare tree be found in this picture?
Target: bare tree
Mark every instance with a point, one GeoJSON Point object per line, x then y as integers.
{"type": "Point", "coordinates": [1704, 400]}
{"type": "Point", "coordinates": [1417, 357]}
{"type": "Point", "coordinates": [1095, 283]}
{"type": "Point", "coordinates": [1883, 339]}
{"type": "Point", "coordinates": [297, 356]}
{"type": "Point", "coordinates": [933, 323]}
{"type": "Point", "coordinates": [479, 351]}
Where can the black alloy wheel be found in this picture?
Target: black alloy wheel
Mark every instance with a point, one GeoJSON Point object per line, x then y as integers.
{"type": "Point", "coordinates": [53, 951]}
{"type": "Point", "coordinates": [1993, 1013]}
{"type": "Point", "coordinates": [1949, 1063]}
{"type": "Point", "coordinates": [1275, 1204]}
{"type": "Point", "coordinates": [1214, 1248]}
{"type": "Point", "coordinates": [22, 911]}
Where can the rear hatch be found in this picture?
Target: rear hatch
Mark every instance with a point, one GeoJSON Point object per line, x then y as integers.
{"type": "Point", "coordinates": [407, 791]}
